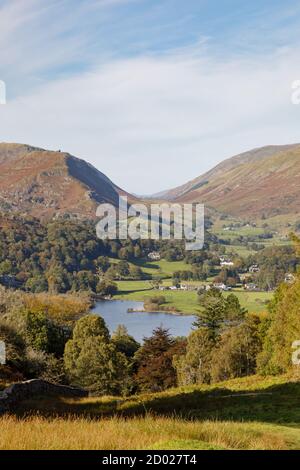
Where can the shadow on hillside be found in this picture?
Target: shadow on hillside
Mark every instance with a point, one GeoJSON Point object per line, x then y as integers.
{"type": "Point", "coordinates": [126, 292]}
{"type": "Point", "coordinates": [146, 264]}
{"type": "Point", "coordinates": [277, 404]}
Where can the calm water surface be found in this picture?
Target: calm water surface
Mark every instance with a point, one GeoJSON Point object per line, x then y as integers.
{"type": "Point", "coordinates": [140, 324]}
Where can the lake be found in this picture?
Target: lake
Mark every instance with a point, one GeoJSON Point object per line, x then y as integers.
{"type": "Point", "coordinates": [140, 324]}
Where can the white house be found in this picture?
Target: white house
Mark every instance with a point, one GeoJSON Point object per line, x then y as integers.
{"type": "Point", "coordinates": [254, 268]}
{"type": "Point", "coordinates": [222, 286]}
{"type": "Point", "coordinates": [251, 287]}
{"type": "Point", "coordinates": [289, 278]}
{"type": "Point", "coordinates": [154, 256]}
{"type": "Point", "coordinates": [227, 263]}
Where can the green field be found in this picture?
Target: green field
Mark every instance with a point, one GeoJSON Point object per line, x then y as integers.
{"type": "Point", "coordinates": [158, 269]}
{"type": "Point", "coordinates": [185, 301]}
{"type": "Point", "coordinates": [279, 239]}
{"type": "Point", "coordinates": [250, 413]}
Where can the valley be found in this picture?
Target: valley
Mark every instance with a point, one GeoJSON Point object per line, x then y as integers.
{"type": "Point", "coordinates": [149, 330]}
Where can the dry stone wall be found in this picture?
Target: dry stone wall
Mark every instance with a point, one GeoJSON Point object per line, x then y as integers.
{"type": "Point", "coordinates": [18, 392]}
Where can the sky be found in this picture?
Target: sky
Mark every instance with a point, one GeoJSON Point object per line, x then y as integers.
{"type": "Point", "coordinates": [153, 93]}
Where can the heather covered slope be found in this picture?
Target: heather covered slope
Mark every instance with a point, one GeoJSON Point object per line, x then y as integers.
{"type": "Point", "coordinates": [46, 184]}
{"type": "Point", "coordinates": [260, 182]}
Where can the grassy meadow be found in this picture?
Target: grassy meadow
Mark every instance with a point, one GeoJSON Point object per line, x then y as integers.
{"type": "Point", "coordinates": [251, 413]}
{"type": "Point", "coordinates": [183, 301]}
{"type": "Point", "coordinates": [187, 301]}
{"type": "Point", "coordinates": [279, 227]}
{"type": "Point", "coordinates": [159, 269]}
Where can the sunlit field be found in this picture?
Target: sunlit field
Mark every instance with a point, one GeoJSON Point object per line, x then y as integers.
{"type": "Point", "coordinates": [250, 413]}
{"type": "Point", "coordinates": [187, 301]}
{"type": "Point", "coordinates": [137, 433]}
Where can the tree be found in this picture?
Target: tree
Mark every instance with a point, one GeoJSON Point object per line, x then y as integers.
{"type": "Point", "coordinates": [36, 330]}
{"type": "Point", "coordinates": [43, 334]}
{"type": "Point", "coordinates": [283, 331]}
{"type": "Point", "coordinates": [284, 326]}
{"type": "Point", "coordinates": [6, 267]}
{"type": "Point", "coordinates": [106, 288]}
{"type": "Point", "coordinates": [213, 314]}
{"type": "Point", "coordinates": [219, 312]}
{"type": "Point", "coordinates": [137, 252]}
{"type": "Point", "coordinates": [233, 310]}
{"type": "Point", "coordinates": [237, 351]}
{"type": "Point", "coordinates": [123, 268]}
{"type": "Point", "coordinates": [227, 276]}
{"type": "Point", "coordinates": [37, 283]}
{"type": "Point", "coordinates": [153, 362]}
{"type": "Point", "coordinates": [125, 343]}
{"type": "Point", "coordinates": [135, 272]}
{"type": "Point", "coordinates": [92, 360]}
{"type": "Point", "coordinates": [194, 367]}
{"type": "Point", "coordinates": [156, 283]}
{"type": "Point", "coordinates": [57, 279]}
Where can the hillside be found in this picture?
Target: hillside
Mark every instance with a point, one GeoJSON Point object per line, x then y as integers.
{"type": "Point", "coordinates": [261, 182]}
{"type": "Point", "coordinates": [248, 413]}
{"type": "Point", "coordinates": [46, 184]}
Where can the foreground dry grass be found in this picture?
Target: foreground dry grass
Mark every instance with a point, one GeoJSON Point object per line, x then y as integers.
{"type": "Point", "coordinates": [251, 413]}
{"type": "Point", "coordinates": [137, 433]}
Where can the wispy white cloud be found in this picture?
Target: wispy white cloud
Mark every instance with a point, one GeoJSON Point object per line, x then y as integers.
{"type": "Point", "coordinates": [41, 40]}
{"type": "Point", "coordinates": [154, 122]}
{"type": "Point", "coordinates": [149, 120]}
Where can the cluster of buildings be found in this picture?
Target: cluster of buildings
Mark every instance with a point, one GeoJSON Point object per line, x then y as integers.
{"type": "Point", "coordinates": [154, 256]}
{"type": "Point", "coordinates": [221, 286]}
{"type": "Point", "coordinates": [249, 285]}
{"type": "Point", "coordinates": [183, 287]}
{"type": "Point", "coordinates": [226, 262]}
{"type": "Point", "coordinates": [254, 269]}
{"type": "Point", "coordinates": [196, 288]}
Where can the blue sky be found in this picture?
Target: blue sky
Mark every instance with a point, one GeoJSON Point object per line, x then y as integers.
{"type": "Point", "coordinates": [151, 92]}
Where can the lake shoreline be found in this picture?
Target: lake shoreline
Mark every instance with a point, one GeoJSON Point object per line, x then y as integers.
{"type": "Point", "coordinates": [115, 313]}
{"type": "Point", "coordinates": [179, 314]}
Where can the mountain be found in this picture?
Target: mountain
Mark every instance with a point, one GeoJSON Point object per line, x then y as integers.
{"type": "Point", "coordinates": [48, 184]}
{"type": "Point", "coordinates": [261, 182]}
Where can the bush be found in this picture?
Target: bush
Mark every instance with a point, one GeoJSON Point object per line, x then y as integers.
{"type": "Point", "coordinates": [15, 348]}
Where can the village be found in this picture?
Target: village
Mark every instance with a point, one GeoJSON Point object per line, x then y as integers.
{"type": "Point", "coordinates": [246, 278]}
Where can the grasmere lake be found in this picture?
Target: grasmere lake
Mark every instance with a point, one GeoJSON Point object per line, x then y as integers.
{"type": "Point", "coordinates": [140, 324]}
